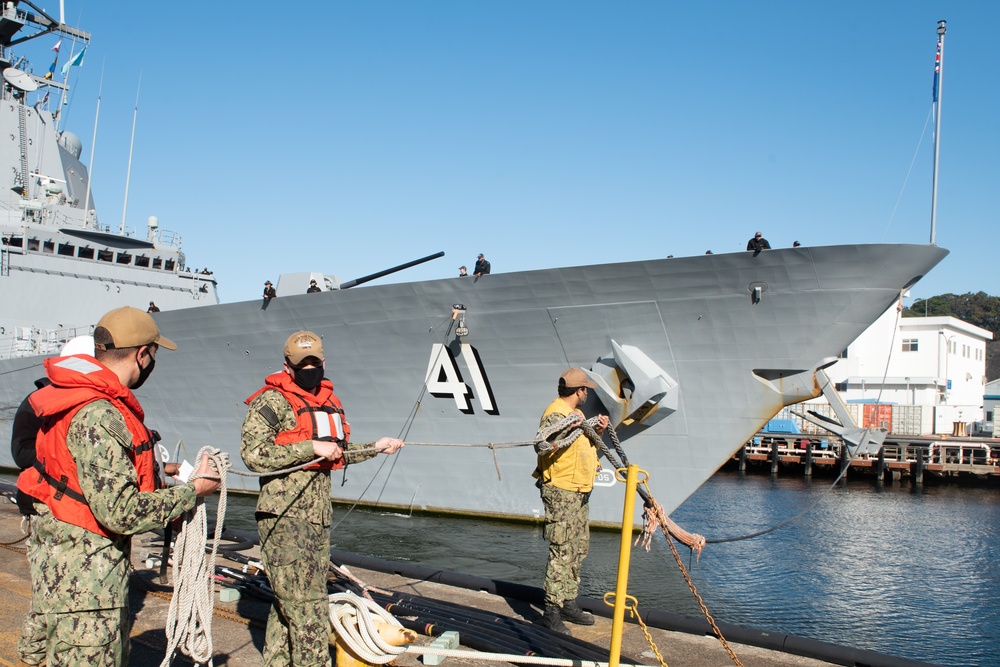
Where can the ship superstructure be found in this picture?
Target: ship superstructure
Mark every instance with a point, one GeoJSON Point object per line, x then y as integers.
{"type": "Point", "coordinates": [61, 265]}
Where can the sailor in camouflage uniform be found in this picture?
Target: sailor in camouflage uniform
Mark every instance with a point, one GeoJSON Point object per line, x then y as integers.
{"type": "Point", "coordinates": [95, 480]}
{"type": "Point", "coordinates": [565, 475]}
{"type": "Point", "coordinates": [296, 418]}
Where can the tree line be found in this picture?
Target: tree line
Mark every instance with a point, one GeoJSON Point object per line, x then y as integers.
{"type": "Point", "coordinates": [977, 308]}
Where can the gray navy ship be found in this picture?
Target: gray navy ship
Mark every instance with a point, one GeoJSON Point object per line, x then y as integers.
{"type": "Point", "coordinates": [59, 262]}
{"type": "Point", "coordinates": [692, 356]}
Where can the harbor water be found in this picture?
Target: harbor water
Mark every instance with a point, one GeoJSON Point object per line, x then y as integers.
{"type": "Point", "coordinates": [903, 571]}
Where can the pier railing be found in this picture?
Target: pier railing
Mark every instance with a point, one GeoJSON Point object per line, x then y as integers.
{"type": "Point", "coordinates": [940, 456]}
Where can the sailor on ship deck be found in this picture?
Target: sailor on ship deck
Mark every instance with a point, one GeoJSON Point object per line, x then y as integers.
{"type": "Point", "coordinates": [757, 243]}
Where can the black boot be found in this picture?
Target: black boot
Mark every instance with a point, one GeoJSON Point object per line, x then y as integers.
{"type": "Point", "coordinates": [571, 612]}
{"type": "Point", "coordinates": [553, 620]}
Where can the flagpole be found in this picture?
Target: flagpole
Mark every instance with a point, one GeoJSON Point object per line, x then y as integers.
{"type": "Point", "coordinates": [93, 145]}
{"type": "Point", "coordinates": [128, 174]}
{"type": "Point", "coordinates": [938, 85]}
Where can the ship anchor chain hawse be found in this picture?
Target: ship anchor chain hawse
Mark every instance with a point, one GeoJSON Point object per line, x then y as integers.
{"type": "Point", "coordinates": [691, 355]}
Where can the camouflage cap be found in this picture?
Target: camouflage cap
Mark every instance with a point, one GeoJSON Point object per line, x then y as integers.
{"type": "Point", "coordinates": [131, 327]}
{"type": "Point", "coordinates": [301, 345]}
{"type": "Point", "coordinates": [576, 378]}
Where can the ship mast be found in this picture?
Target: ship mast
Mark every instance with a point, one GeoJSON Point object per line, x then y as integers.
{"type": "Point", "coordinates": [131, 144]}
{"type": "Point", "coordinates": [938, 81]}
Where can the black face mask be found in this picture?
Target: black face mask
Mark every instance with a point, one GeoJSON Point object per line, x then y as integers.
{"type": "Point", "coordinates": [308, 378]}
{"type": "Point", "coordinates": [144, 373]}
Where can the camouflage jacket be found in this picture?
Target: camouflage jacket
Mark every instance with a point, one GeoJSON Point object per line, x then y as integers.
{"type": "Point", "coordinates": [83, 570]}
{"type": "Point", "coordinates": [304, 494]}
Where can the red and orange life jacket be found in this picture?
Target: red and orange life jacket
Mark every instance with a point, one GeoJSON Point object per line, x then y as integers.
{"type": "Point", "coordinates": [318, 417]}
{"type": "Point", "coordinates": [77, 381]}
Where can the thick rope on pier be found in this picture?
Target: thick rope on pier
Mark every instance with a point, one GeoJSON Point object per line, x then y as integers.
{"type": "Point", "coordinates": [354, 620]}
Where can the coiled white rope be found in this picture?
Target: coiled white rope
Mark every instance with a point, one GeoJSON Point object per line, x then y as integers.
{"type": "Point", "coordinates": [353, 619]}
{"type": "Point", "coordinates": [189, 620]}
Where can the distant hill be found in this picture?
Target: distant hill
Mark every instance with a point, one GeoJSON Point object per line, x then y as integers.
{"type": "Point", "coordinates": [979, 309]}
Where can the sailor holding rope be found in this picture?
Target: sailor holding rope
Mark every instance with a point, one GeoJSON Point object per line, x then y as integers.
{"type": "Point", "coordinates": [294, 419]}
{"type": "Point", "coordinates": [95, 480]}
{"type": "Point", "coordinates": [565, 476]}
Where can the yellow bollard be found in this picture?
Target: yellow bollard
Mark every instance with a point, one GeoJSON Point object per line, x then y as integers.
{"type": "Point", "coordinates": [624, 552]}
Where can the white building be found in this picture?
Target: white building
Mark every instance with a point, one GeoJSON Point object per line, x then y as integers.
{"type": "Point", "coordinates": [935, 362]}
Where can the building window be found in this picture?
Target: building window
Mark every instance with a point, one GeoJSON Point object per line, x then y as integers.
{"type": "Point", "coordinates": [85, 253]}
{"type": "Point", "coordinates": [124, 258]}
{"type": "Point", "coordinates": [142, 260]}
{"type": "Point", "coordinates": [48, 246]}
{"type": "Point", "coordinates": [840, 386]}
{"type": "Point", "coordinates": [66, 249]}
{"type": "Point", "coordinates": [157, 263]}
{"type": "Point", "coordinates": [105, 256]}
{"type": "Point", "coordinates": [909, 345]}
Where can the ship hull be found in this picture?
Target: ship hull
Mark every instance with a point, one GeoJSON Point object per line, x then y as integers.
{"type": "Point", "coordinates": [728, 349]}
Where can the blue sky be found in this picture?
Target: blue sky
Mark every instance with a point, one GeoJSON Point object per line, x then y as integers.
{"type": "Point", "coordinates": [346, 137]}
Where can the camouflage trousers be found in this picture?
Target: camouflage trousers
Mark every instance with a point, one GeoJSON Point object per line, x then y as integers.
{"type": "Point", "coordinates": [296, 555]}
{"type": "Point", "coordinates": [567, 528]}
{"type": "Point", "coordinates": [97, 637]}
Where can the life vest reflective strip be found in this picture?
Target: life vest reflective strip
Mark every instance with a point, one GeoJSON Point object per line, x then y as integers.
{"type": "Point", "coordinates": [323, 421]}
{"type": "Point", "coordinates": [327, 422]}
{"type": "Point", "coordinates": [54, 478]}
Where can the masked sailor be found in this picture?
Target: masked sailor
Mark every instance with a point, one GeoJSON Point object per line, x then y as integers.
{"type": "Point", "coordinates": [296, 418]}
{"type": "Point", "coordinates": [95, 485]}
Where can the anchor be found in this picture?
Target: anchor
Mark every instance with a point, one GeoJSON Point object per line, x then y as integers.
{"type": "Point", "coordinates": [858, 440]}
{"type": "Point", "coordinates": [633, 388]}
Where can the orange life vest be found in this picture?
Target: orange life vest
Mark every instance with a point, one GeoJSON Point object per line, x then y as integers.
{"type": "Point", "coordinates": [318, 417]}
{"type": "Point", "coordinates": [77, 381]}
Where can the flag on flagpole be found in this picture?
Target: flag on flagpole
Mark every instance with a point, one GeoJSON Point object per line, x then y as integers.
{"type": "Point", "coordinates": [56, 47]}
{"type": "Point", "coordinates": [75, 61]}
{"type": "Point", "coordinates": [937, 70]}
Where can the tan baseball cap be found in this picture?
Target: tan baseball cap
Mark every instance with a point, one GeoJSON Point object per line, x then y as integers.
{"type": "Point", "coordinates": [131, 327]}
{"type": "Point", "coordinates": [301, 345]}
{"type": "Point", "coordinates": [576, 378]}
